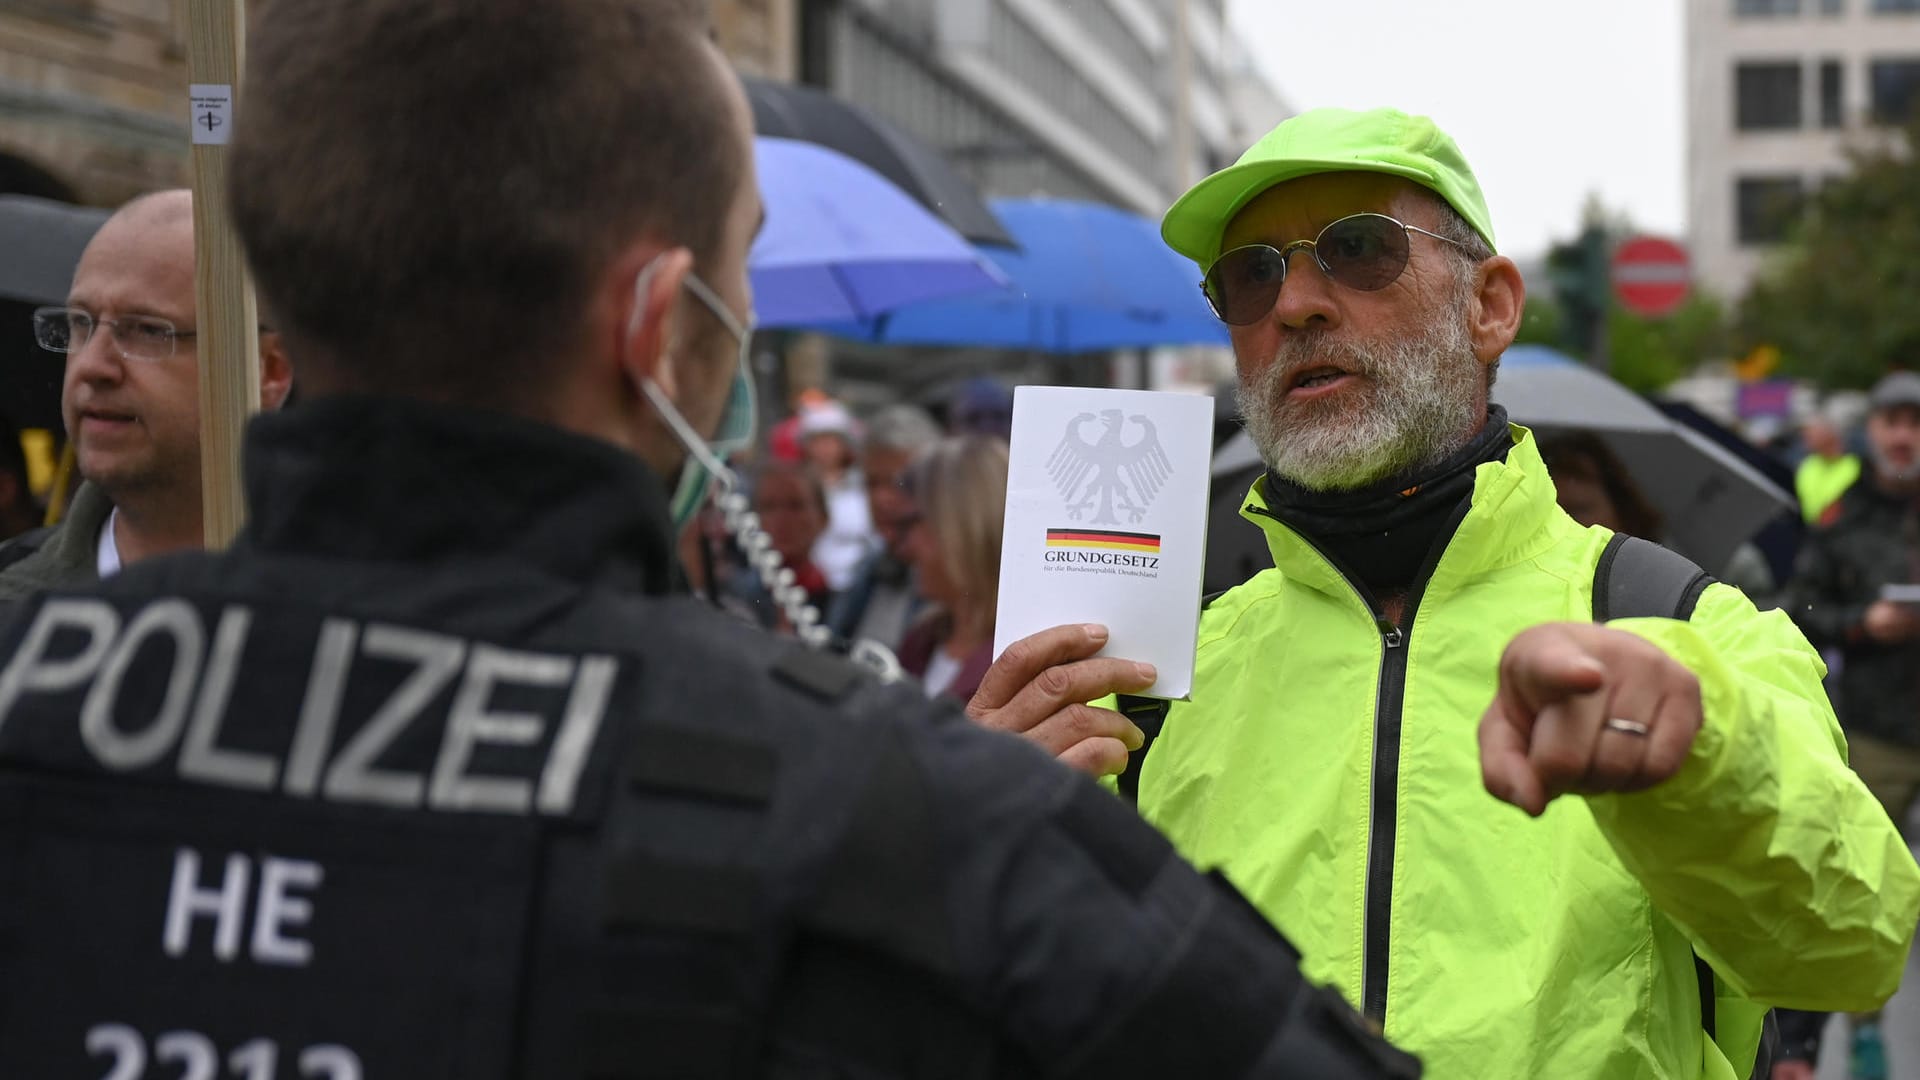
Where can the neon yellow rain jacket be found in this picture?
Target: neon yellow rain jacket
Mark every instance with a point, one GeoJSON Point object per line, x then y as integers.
{"type": "Point", "coordinates": [1331, 768]}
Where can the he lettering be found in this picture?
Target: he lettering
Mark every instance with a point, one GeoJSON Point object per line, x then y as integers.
{"type": "Point", "coordinates": [278, 909]}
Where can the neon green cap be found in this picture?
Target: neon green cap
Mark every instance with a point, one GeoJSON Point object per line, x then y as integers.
{"type": "Point", "coordinates": [1321, 141]}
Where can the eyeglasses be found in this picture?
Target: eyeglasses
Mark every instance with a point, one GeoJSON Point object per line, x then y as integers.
{"type": "Point", "coordinates": [139, 337]}
{"type": "Point", "coordinates": [1367, 252]}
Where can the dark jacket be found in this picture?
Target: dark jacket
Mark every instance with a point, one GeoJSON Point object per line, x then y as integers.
{"type": "Point", "coordinates": [431, 770]}
{"type": "Point", "coordinates": [66, 556]}
{"type": "Point", "coordinates": [925, 638]}
{"type": "Point", "coordinates": [1867, 541]}
{"type": "Point", "coordinates": [879, 605]}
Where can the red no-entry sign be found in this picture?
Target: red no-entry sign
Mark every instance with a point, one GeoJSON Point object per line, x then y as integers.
{"type": "Point", "coordinates": [1651, 276]}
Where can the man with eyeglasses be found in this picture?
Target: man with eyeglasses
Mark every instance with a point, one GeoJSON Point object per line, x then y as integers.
{"type": "Point", "coordinates": [433, 773]}
{"type": "Point", "coordinates": [1689, 846]}
{"type": "Point", "coordinates": [130, 400]}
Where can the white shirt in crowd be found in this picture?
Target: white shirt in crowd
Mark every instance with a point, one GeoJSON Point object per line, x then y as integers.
{"type": "Point", "coordinates": [107, 556]}
{"type": "Point", "coordinates": [849, 538]}
{"type": "Point", "coordinates": [940, 673]}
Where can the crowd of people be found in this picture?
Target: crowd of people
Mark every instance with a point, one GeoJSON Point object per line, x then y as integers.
{"type": "Point", "coordinates": [487, 748]}
{"type": "Point", "coordinates": [890, 524]}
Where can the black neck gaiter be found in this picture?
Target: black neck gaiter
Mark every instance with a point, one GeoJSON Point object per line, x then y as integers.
{"type": "Point", "coordinates": [1380, 535]}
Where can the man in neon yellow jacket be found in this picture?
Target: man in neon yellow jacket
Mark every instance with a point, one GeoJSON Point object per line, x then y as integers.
{"type": "Point", "coordinates": [1422, 659]}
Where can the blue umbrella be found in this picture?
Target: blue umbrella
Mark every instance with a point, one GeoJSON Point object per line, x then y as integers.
{"type": "Point", "coordinates": [1087, 277]}
{"type": "Point", "coordinates": [842, 244]}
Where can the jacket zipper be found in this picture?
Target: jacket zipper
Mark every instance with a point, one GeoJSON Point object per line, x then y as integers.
{"type": "Point", "coordinates": [1382, 812]}
{"type": "Point", "coordinates": [1384, 783]}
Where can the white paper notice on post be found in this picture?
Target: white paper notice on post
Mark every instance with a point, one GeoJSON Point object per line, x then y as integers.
{"type": "Point", "coordinates": [210, 110]}
{"type": "Point", "coordinates": [1107, 522]}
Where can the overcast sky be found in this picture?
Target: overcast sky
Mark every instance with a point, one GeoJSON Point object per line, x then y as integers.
{"type": "Point", "coordinates": [1550, 100]}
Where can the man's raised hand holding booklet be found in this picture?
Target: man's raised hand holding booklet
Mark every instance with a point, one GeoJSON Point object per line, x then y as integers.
{"type": "Point", "coordinates": [1107, 522]}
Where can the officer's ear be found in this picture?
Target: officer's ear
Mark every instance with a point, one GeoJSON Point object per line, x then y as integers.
{"type": "Point", "coordinates": [650, 330]}
{"type": "Point", "coordinates": [276, 371]}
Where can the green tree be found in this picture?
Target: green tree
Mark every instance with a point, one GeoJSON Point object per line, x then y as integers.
{"type": "Point", "coordinates": [1841, 300]}
{"type": "Point", "coordinates": [1540, 322]}
{"type": "Point", "coordinates": [1648, 354]}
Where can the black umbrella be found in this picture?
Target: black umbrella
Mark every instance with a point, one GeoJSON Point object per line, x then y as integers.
{"type": "Point", "coordinates": [42, 240]}
{"type": "Point", "coordinates": [1779, 539]}
{"type": "Point", "coordinates": [799, 112]}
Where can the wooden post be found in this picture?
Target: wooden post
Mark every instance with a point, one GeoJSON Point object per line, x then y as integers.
{"type": "Point", "coordinates": [229, 336]}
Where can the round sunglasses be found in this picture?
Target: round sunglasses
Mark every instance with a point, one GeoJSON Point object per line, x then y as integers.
{"type": "Point", "coordinates": [1367, 252]}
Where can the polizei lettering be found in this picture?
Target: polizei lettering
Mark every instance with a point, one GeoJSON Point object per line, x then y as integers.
{"type": "Point", "coordinates": [329, 709]}
{"type": "Point", "coordinates": [1105, 558]}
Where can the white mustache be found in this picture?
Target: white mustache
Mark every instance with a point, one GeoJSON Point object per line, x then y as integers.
{"type": "Point", "coordinates": [1300, 354]}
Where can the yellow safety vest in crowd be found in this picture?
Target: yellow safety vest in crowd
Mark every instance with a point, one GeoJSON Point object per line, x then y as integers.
{"type": "Point", "coordinates": [1820, 481]}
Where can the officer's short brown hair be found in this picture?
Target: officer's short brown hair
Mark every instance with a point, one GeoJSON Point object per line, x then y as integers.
{"type": "Point", "coordinates": [427, 189]}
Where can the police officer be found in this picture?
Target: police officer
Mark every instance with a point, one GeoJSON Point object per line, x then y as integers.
{"type": "Point", "coordinates": [431, 776]}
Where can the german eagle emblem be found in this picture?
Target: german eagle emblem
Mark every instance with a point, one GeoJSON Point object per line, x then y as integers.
{"type": "Point", "coordinates": [1109, 475]}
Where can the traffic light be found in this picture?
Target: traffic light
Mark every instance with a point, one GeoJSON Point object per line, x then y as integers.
{"type": "Point", "coordinates": [1578, 272]}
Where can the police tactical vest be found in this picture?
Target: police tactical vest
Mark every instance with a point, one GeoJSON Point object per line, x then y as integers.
{"type": "Point", "coordinates": [335, 849]}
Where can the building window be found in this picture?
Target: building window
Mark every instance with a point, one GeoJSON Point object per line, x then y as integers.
{"type": "Point", "coordinates": [1767, 207]}
{"type": "Point", "coordinates": [1832, 111]}
{"type": "Point", "coordinates": [1896, 88]}
{"type": "Point", "coordinates": [1767, 96]}
{"type": "Point", "coordinates": [1766, 7]}
{"type": "Point", "coordinates": [1896, 5]}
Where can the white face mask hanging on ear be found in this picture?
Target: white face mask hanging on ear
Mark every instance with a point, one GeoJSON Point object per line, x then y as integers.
{"type": "Point", "coordinates": [706, 463]}
{"type": "Point", "coordinates": [706, 466]}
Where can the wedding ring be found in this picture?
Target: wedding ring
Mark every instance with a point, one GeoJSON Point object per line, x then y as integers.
{"type": "Point", "coordinates": [1627, 727]}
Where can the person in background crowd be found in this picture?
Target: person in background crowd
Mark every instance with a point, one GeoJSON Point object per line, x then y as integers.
{"type": "Point", "coordinates": [830, 440]}
{"type": "Point", "coordinates": [1869, 541]}
{"type": "Point", "coordinates": [783, 438]}
{"type": "Point", "coordinates": [960, 489]}
{"type": "Point", "coordinates": [881, 601]}
{"type": "Point", "coordinates": [19, 512]}
{"type": "Point", "coordinates": [714, 568]}
{"type": "Point", "coordinates": [1423, 659]}
{"type": "Point", "coordinates": [1800, 1035]}
{"type": "Point", "coordinates": [130, 400]}
{"type": "Point", "coordinates": [1595, 488]}
{"type": "Point", "coordinates": [1826, 472]}
{"type": "Point", "coordinates": [981, 406]}
{"type": "Point", "coordinates": [793, 511]}
{"type": "Point", "coordinates": [1870, 544]}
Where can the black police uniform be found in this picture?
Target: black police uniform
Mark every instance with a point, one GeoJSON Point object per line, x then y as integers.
{"type": "Point", "coordinates": [431, 776]}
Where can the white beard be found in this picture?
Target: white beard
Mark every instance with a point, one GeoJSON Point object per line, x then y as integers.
{"type": "Point", "coordinates": [1418, 401]}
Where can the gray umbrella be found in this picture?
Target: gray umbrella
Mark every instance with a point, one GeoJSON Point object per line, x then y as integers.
{"type": "Point", "coordinates": [42, 240]}
{"type": "Point", "coordinates": [1712, 501]}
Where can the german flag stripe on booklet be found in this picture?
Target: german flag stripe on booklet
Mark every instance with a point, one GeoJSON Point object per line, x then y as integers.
{"type": "Point", "coordinates": [1126, 541]}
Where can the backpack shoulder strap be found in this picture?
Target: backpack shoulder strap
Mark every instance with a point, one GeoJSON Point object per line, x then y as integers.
{"type": "Point", "coordinates": [1148, 714]}
{"type": "Point", "coordinates": [1637, 578]}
